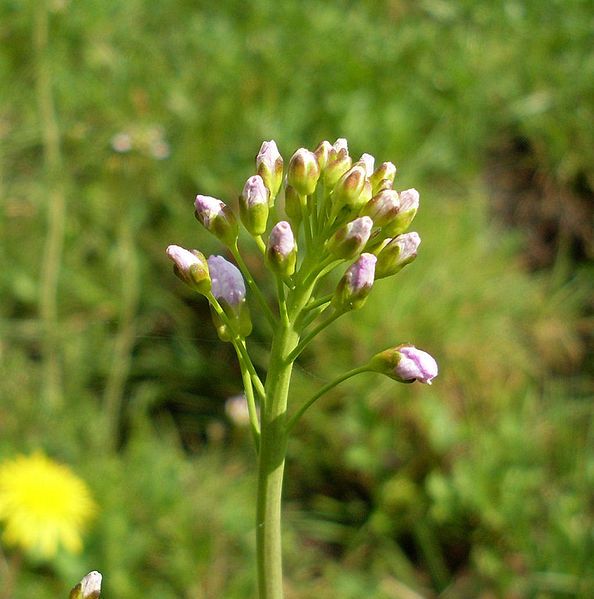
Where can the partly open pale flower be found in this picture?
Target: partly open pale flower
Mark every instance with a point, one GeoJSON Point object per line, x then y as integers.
{"type": "Point", "coordinates": [44, 506]}
{"type": "Point", "coordinates": [415, 365]}
{"type": "Point", "coordinates": [405, 363]}
{"type": "Point", "coordinates": [228, 287]}
{"type": "Point", "coordinates": [227, 282]}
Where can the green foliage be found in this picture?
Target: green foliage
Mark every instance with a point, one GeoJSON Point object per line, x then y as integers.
{"type": "Point", "coordinates": [482, 482]}
{"type": "Point", "coordinates": [475, 469]}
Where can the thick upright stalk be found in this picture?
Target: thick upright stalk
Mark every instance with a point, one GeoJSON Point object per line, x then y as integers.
{"type": "Point", "coordinates": [273, 446]}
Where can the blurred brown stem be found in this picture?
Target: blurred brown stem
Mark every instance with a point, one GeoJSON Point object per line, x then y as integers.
{"type": "Point", "coordinates": [56, 204]}
{"type": "Point", "coordinates": [120, 365]}
{"type": "Point", "coordinates": [10, 567]}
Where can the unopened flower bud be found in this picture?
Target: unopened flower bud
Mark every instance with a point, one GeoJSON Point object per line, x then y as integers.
{"type": "Point", "coordinates": [409, 204]}
{"type": "Point", "coordinates": [383, 185]}
{"type": "Point", "coordinates": [339, 162]}
{"type": "Point", "coordinates": [351, 238]}
{"type": "Point", "coordinates": [293, 206]}
{"type": "Point", "coordinates": [281, 251]}
{"type": "Point", "coordinates": [253, 205]}
{"type": "Point", "coordinates": [323, 152]}
{"type": "Point", "coordinates": [405, 363]}
{"type": "Point", "coordinates": [353, 189]}
{"type": "Point", "coordinates": [341, 144]}
{"type": "Point", "coordinates": [385, 172]}
{"type": "Point", "coordinates": [369, 161]}
{"type": "Point", "coordinates": [88, 588]}
{"type": "Point", "coordinates": [355, 285]}
{"type": "Point", "coordinates": [383, 207]}
{"type": "Point", "coordinates": [396, 253]}
{"type": "Point", "coordinates": [217, 218]}
{"type": "Point", "coordinates": [228, 288]}
{"type": "Point", "coordinates": [190, 267]}
{"type": "Point", "coordinates": [269, 165]}
{"type": "Point", "coordinates": [304, 171]}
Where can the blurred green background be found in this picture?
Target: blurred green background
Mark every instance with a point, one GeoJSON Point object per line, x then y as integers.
{"type": "Point", "coordinates": [113, 115]}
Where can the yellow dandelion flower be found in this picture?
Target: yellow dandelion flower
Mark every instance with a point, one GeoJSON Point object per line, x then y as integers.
{"type": "Point", "coordinates": [43, 505]}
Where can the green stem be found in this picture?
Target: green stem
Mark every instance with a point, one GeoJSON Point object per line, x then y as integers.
{"type": "Point", "coordinates": [273, 447]}
{"type": "Point", "coordinates": [432, 554]}
{"type": "Point", "coordinates": [347, 375]}
{"type": "Point", "coordinates": [239, 344]}
{"type": "Point", "coordinates": [306, 221]}
{"type": "Point", "coordinates": [319, 302]}
{"type": "Point", "coordinates": [252, 285]}
{"type": "Point", "coordinates": [282, 304]}
{"type": "Point", "coordinates": [261, 245]}
{"type": "Point", "coordinates": [313, 210]}
{"type": "Point", "coordinates": [251, 401]}
{"type": "Point", "coordinates": [273, 443]}
{"type": "Point", "coordinates": [310, 336]}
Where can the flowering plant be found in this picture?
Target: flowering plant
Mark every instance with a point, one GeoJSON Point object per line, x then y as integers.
{"type": "Point", "coordinates": [336, 213]}
{"type": "Point", "coordinates": [44, 506]}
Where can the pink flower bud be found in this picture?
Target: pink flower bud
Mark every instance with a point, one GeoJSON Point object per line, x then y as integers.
{"type": "Point", "coordinates": [269, 165]}
{"type": "Point", "coordinates": [323, 153]}
{"type": "Point", "coordinates": [217, 218]}
{"type": "Point", "coordinates": [190, 267]}
{"type": "Point", "coordinates": [383, 207]}
{"type": "Point", "coordinates": [352, 189]}
{"type": "Point", "coordinates": [351, 238]}
{"type": "Point", "coordinates": [396, 253]}
{"type": "Point", "coordinates": [409, 204]}
{"type": "Point", "coordinates": [339, 162]}
{"type": "Point", "coordinates": [253, 205]}
{"type": "Point", "coordinates": [341, 144]}
{"type": "Point", "coordinates": [281, 251]}
{"type": "Point", "coordinates": [304, 171]}
{"type": "Point", "coordinates": [355, 285]}
{"type": "Point", "coordinates": [383, 177]}
{"type": "Point", "coordinates": [405, 363]}
{"type": "Point", "coordinates": [369, 161]}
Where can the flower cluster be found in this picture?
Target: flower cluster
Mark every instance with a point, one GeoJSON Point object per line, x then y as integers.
{"type": "Point", "coordinates": [335, 208]}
